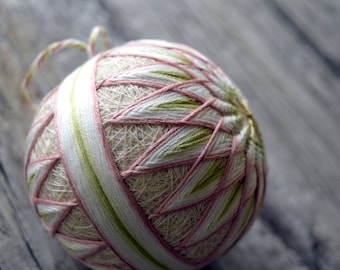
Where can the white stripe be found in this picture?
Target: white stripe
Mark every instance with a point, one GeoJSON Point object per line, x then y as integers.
{"type": "Point", "coordinates": [104, 172]}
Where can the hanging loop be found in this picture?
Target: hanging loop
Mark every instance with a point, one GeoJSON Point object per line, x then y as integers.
{"type": "Point", "coordinates": [55, 47]}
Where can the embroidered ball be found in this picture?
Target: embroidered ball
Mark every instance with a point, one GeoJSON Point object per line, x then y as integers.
{"type": "Point", "coordinates": [146, 157]}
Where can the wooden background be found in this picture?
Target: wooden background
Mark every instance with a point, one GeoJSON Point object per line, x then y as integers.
{"type": "Point", "coordinates": [284, 55]}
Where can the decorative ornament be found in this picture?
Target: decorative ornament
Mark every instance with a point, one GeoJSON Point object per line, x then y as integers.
{"type": "Point", "coordinates": [145, 157]}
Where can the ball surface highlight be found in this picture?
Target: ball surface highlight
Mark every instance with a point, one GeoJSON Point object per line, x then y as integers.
{"type": "Point", "coordinates": [146, 157]}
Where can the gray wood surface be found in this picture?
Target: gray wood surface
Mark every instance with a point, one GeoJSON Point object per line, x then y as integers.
{"type": "Point", "coordinates": [284, 55]}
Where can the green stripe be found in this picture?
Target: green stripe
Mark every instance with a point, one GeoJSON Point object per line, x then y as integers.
{"type": "Point", "coordinates": [180, 76]}
{"type": "Point", "coordinates": [195, 139]}
{"type": "Point", "coordinates": [30, 180]}
{"type": "Point", "coordinates": [247, 215]}
{"type": "Point", "coordinates": [229, 201]}
{"type": "Point", "coordinates": [179, 57]}
{"type": "Point", "coordinates": [210, 176]}
{"type": "Point", "coordinates": [109, 209]}
{"type": "Point", "coordinates": [176, 104]}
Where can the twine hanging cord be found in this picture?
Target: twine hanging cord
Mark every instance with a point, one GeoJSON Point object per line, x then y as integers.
{"type": "Point", "coordinates": [89, 48]}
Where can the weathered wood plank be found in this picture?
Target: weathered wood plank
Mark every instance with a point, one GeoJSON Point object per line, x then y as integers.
{"type": "Point", "coordinates": [13, 243]}
{"type": "Point", "coordinates": [318, 23]}
{"type": "Point", "coordinates": [26, 244]}
{"type": "Point", "coordinates": [293, 92]}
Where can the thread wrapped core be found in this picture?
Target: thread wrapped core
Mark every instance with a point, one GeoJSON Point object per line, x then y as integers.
{"type": "Point", "coordinates": [146, 157]}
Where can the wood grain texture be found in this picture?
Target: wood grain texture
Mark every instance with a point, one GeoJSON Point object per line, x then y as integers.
{"type": "Point", "coordinates": [311, 19]}
{"type": "Point", "coordinates": [284, 55]}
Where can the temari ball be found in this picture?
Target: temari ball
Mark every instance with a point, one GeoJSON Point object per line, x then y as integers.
{"type": "Point", "coordinates": [146, 157]}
